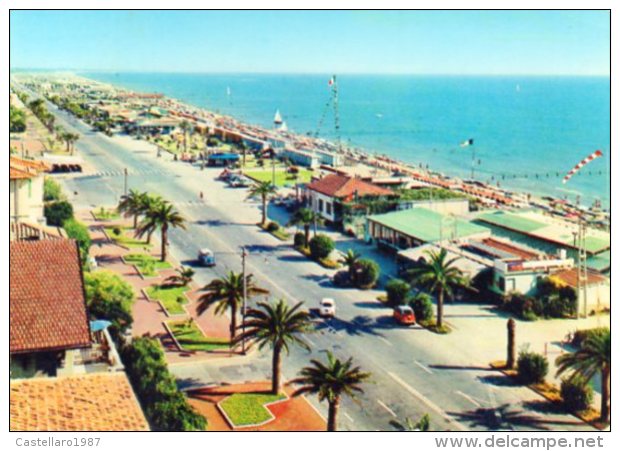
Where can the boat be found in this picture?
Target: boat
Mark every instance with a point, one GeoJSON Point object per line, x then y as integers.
{"type": "Point", "coordinates": [277, 119]}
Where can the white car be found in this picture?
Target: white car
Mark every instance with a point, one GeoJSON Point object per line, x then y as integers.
{"type": "Point", "coordinates": [327, 307]}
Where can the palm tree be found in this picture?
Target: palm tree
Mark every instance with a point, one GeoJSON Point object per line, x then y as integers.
{"type": "Point", "coordinates": [244, 150]}
{"type": "Point", "coordinates": [132, 204]}
{"type": "Point", "coordinates": [330, 382]}
{"type": "Point", "coordinates": [278, 326]}
{"type": "Point", "coordinates": [186, 127]}
{"type": "Point", "coordinates": [593, 356]}
{"type": "Point", "coordinates": [439, 276]}
{"type": "Point", "coordinates": [162, 216]}
{"type": "Point", "coordinates": [350, 260]}
{"type": "Point", "coordinates": [264, 190]}
{"type": "Point", "coordinates": [182, 278]}
{"type": "Point", "coordinates": [227, 292]}
{"type": "Point", "coordinates": [149, 203]}
{"type": "Point", "coordinates": [422, 425]}
{"type": "Point", "coordinates": [306, 217]}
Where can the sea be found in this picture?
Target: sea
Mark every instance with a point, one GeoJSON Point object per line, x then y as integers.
{"type": "Point", "coordinates": [527, 131]}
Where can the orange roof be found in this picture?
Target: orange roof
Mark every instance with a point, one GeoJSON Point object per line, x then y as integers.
{"type": "Point", "coordinates": [339, 186]}
{"type": "Point", "coordinates": [20, 168]}
{"type": "Point", "coordinates": [92, 402]}
{"type": "Point", "coordinates": [47, 305]}
{"type": "Point", "coordinates": [570, 276]}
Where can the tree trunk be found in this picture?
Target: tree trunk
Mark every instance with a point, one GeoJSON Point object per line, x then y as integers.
{"type": "Point", "coordinates": [332, 415]}
{"type": "Point", "coordinates": [307, 234]}
{"type": "Point", "coordinates": [605, 401]}
{"type": "Point", "coordinates": [164, 237]}
{"type": "Point", "coordinates": [440, 308]}
{"type": "Point", "coordinates": [135, 221]}
{"type": "Point", "coordinates": [264, 210]}
{"type": "Point", "coordinates": [510, 359]}
{"type": "Point", "coordinates": [233, 321]}
{"type": "Point", "coordinates": [148, 237]}
{"type": "Point", "coordinates": [276, 370]}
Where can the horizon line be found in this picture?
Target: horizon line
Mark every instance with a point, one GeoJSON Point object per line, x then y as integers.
{"type": "Point", "coordinates": [206, 72]}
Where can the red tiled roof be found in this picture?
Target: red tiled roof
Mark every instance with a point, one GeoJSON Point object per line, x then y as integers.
{"type": "Point", "coordinates": [92, 402]}
{"type": "Point", "coordinates": [339, 186]}
{"type": "Point", "coordinates": [20, 168]}
{"type": "Point", "coordinates": [47, 305]}
{"type": "Point", "coordinates": [570, 276]}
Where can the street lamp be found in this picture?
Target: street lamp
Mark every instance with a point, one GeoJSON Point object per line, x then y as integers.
{"type": "Point", "coordinates": [125, 188]}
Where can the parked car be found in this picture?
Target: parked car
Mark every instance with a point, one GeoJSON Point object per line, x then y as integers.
{"type": "Point", "coordinates": [237, 182]}
{"type": "Point", "coordinates": [327, 307]}
{"type": "Point", "coordinates": [403, 314]}
{"type": "Point", "coordinates": [206, 257]}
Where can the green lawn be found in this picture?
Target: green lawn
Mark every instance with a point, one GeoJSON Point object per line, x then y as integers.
{"type": "Point", "coordinates": [282, 177]}
{"type": "Point", "coordinates": [104, 214]}
{"type": "Point", "coordinates": [169, 297]}
{"type": "Point", "coordinates": [126, 238]}
{"type": "Point", "coordinates": [147, 264]}
{"type": "Point", "coordinates": [245, 409]}
{"type": "Point", "coordinates": [191, 338]}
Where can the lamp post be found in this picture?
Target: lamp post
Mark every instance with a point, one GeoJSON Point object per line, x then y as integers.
{"type": "Point", "coordinates": [125, 185]}
{"type": "Point", "coordinates": [245, 297]}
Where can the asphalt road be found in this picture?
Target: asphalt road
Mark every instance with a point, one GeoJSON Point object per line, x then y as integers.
{"type": "Point", "coordinates": [413, 371]}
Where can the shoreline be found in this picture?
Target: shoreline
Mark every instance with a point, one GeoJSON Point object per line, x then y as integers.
{"type": "Point", "coordinates": [356, 155]}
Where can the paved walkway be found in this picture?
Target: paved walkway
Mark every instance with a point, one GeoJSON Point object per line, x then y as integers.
{"type": "Point", "coordinates": [149, 316]}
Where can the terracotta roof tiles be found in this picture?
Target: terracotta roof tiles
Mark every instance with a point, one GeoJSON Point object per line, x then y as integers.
{"type": "Point", "coordinates": [339, 186]}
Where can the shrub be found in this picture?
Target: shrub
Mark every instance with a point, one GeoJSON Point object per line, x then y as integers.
{"type": "Point", "coordinates": [116, 231]}
{"type": "Point", "coordinates": [576, 394]}
{"type": "Point", "coordinates": [321, 246]}
{"type": "Point", "coordinates": [581, 336]}
{"type": "Point", "coordinates": [398, 292]}
{"type": "Point", "coordinates": [58, 212]}
{"type": "Point", "coordinates": [51, 190]}
{"type": "Point", "coordinates": [299, 239]}
{"type": "Point", "coordinates": [341, 279]}
{"type": "Point", "coordinates": [531, 368]}
{"type": "Point", "coordinates": [164, 405]}
{"type": "Point", "coordinates": [79, 232]}
{"type": "Point", "coordinates": [367, 273]}
{"type": "Point", "coordinates": [522, 306]}
{"type": "Point", "coordinates": [422, 305]}
{"type": "Point", "coordinates": [109, 297]}
{"type": "Point", "coordinates": [273, 226]}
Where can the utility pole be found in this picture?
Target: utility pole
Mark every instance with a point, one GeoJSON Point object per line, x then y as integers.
{"type": "Point", "coordinates": [245, 297]}
{"type": "Point", "coordinates": [125, 188]}
{"type": "Point", "coordinates": [582, 268]}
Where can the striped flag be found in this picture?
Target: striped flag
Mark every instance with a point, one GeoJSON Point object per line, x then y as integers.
{"type": "Point", "coordinates": [467, 143]}
{"type": "Point", "coordinates": [581, 164]}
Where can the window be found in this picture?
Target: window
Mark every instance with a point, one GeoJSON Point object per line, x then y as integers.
{"type": "Point", "coordinates": [320, 204]}
{"type": "Point", "coordinates": [328, 206]}
{"type": "Point", "coordinates": [501, 283]}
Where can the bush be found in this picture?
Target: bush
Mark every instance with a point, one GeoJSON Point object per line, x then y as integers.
{"type": "Point", "coordinates": [117, 231]}
{"type": "Point", "coordinates": [422, 306]}
{"type": "Point", "coordinates": [580, 336]}
{"type": "Point", "coordinates": [58, 212]}
{"type": "Point", "coordinates": [109, 297]}
{"type": "Point", "coordinates": [164, 405]}
{"type": "Point", "coordinates": [341, 279]}
{"type": "Point", "coordinates": [531, 368]}
{"type": "Point", "coordinates": [398, 292]}
{"type": "Point", "coordinates": [524, 307]}
{"type": "Point", "coordinates": [576, 394]}
{"type": "Point", "coordinates": [273, 226]}
{"type": "Point", "coordinates": [321, 246]}
{"type": "Point", "coordinates": [367, 273]}
{"type": "Point", "coordinates": [51, 190]}
{"type": "Point", "coordinates": [299, 239]}
{"type": "Point", "coordinates": [79, 232]}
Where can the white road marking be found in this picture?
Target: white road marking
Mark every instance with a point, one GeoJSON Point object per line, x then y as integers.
{"type": "Point", "coordinates": [426, 401]}
{"type": "Point", "coordinates": [349, 417]}
{"type": "Point", "coordinates": [390, 411]}
{"type": "Point", "coordinates": [385, 340]}
{"type": "Point", "coordinates": [469, 398]}
{"type": "Point", "coordinates": [424, 367]}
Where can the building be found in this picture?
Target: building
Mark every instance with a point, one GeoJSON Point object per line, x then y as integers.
{"type": "Point", "coordinates": [550, 235]}
{"type": "Point", "coordinates": [91, 402]}
{"type": "Point", "coordinates": [417, 226]}
{"type": "Point", "coordinates": [327, 195]}
{"type": "Point", "coordinates": [311, 158]}
{"type": "Point", "coordinates": [598, 292]}
{"type": "Point", "coordinates": [222, 159]}
{"type": "Point", "coordinates": [26, 178]}
{"type": "Point", "coordinates": [154, 126]}
{"type": "Point", "coordinates": [50, 333]}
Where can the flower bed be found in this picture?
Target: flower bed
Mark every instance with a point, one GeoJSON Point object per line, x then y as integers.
{"type": "Point", "coordinates": [123, 236]}
{"type": "Point", "coordinates": [248, 409]}
{"type": "Point", "coordinates": [146, 264]}
{"type": "Point", "coordinates": [169, 298]}
{"type": "Point", "coordinates": [189, 337]}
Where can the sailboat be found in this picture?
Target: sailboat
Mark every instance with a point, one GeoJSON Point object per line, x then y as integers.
{"type": "Point", "coordinates": [277, 119]}
{"type": "Point", "coordinates": [283, 127]}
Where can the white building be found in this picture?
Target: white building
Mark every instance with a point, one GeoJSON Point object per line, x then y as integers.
{"type": "Point", "coordinates": [26, 179]}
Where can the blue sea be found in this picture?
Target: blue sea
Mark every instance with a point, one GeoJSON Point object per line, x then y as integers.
{"type": "Point", "coordinates": [522, 126]}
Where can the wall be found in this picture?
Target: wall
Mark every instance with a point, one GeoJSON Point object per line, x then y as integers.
{"type": "Point", "coordinates": [29, 200]}
{"type": "Point", "coordinates": [315, 201]}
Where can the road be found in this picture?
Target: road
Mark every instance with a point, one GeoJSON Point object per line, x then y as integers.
{"type": "Point", "coordinates": [413, 371]}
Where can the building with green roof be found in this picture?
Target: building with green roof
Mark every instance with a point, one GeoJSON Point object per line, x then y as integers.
{"type": "Point", "coordinates": [416, 226]}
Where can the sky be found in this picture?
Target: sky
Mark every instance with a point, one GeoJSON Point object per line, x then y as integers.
{"type": "Point", "coordinates": [399, 42]}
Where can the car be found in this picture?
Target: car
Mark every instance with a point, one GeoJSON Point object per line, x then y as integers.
{"type": "Point", "coordinates": [403, 314]}
{"type": "Point", "coordinates": [327, 307]}
{"type": "Point", "coordinates": [206, 257]}
{"type": "Point", "coordinates": [237, 182]}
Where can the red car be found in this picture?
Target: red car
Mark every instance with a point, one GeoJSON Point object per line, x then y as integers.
{"type": "Point", "coordinates": [403, 314]}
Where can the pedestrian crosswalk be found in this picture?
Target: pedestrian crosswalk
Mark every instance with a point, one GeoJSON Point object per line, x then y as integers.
{"type": "Point", "coordinates": [121, 173]}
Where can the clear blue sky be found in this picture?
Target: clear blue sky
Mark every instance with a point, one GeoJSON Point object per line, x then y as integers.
{"type": "Point", "coordinates": [430, 42]}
